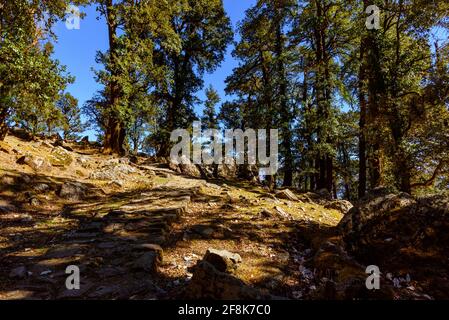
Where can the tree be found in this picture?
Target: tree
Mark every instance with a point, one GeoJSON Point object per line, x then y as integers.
{"type": "Point", "coordinates": [205, 32]}
{"type": "Point", "coordinates": [135, 30]}
{"type": "Point", "coordinates": [324, 33]}
{"type": "Point", "coordinates": [398, 63]}
{"type": "Point", "coordinates": [30, 79]}
{"type": "Point", "coordinates": [71, 123]}
{"type": "Point", "coordinates": [209, 119]}
{"type": "Point", "coordinates": [261, 81]}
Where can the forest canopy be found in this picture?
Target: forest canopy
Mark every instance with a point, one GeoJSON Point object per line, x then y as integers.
{"type": "Point", "coordinates": [356, 107]}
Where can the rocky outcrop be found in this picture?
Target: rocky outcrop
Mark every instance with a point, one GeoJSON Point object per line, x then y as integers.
{"type": "Point", "coordinates": [374, 208]}
{"type": "Point", "coordinates": [227, 171]}
{"type": "Point", "coordinates": [340, 205]}
{"type": "Point", "coordinates": [402, 234]}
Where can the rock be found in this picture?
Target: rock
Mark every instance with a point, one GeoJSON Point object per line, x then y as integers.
{"type": "Point", "coordinates": [265, 213]}
{"type": "Point", "coordinates": [147, 262]}
{"type": "Point", "coordinates": [227, 171]}
{"type": "Point", "coordinates": [174, 167]}
{"type": "Point", "coordinates": [231, 199]}
{"type": "Point", "coordinates": [72, 191]}
{"type": "Point", "coordinates": [185, 167]}
{"type": "Point", "coordinates": [113, 170]}
{"type": "Point", "coordinates": [84, 162]}
{"type": "Point", "coordinates": [282, 213]}
{"type": "Point", "coordinates": [286, 194]}
{"type": "Point", "coordinates": [35, 163]}
{"type": "Point", "coordinates": [18, 273]}
{"type": "Point", "coordinates": [134, 159]}
{"type": "Point", "coordinates": [116, 183]}
{"type": "Point", "coordinates": [35, 202]}
{"type": "Point", "coordinates": [25, 179]}
{"type": "Point", "coordinates": [152, 248]}
{"type": "Point", "coordinates": [8, 208]}
{"type": "Point", "coordinates": [4, 147]}
{"type": "Point", "coordinates": [57, 139]}
{"type": "Point", "coordinates": [60, 157]}
{"type": "Point", "coordinates": [222, 260]}
{"type": "Point", "coordinates": [203, 230]}
{"type": "Point", "coordinates": [348, 276]}
{"type": "Point", "coordinates": [209, 283]}
{"type": "Point", "coordinates": [7, 181]}
{"type": "Point", "coordinates": [372, 208]}
{"type": "Point", "coordinates": [41, 187]}
{"type": "Point", "coordinates": [340, 205]}
{"type": "Point", "coordinates": [400, 232]}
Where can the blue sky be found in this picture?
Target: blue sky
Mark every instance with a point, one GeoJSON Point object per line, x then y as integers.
{"type": "Point", "coordinates": [77, 50]}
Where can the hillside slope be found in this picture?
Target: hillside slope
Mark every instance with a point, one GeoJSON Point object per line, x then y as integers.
{"type": "Point", "coordinates": [139, 230]}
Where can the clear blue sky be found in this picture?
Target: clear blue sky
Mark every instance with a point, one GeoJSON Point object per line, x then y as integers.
{"type": "Point", "coordinates": [77, 50]}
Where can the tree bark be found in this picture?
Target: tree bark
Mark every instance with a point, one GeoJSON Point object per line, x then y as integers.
{"type": "Point", "coordinates": [3, 125]}
{"type": "Point", "coordinates": [115, 132]}
{"type": "Point", "coordinates": [362, 122]}
{"type": "Point", "coordinates": [284, 107]}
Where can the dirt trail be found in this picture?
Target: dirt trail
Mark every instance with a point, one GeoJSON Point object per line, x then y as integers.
{"type": "Point", "coordinates": [137, 238]}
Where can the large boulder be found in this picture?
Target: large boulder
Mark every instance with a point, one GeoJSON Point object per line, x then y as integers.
{"type": "Point", "coordinates": [60, 157]}
{"type": "Point", "coordinates": [34, 162]}
{"type": "Point", "coordinates": [402, 234]}
{"type": "Point", "coordinates": [374, 208]}
{"type": "Point", "coordinates": [222, 260]}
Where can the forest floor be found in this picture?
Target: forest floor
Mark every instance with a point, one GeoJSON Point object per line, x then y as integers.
{"type": "Point", "coordinates": [60, 214]}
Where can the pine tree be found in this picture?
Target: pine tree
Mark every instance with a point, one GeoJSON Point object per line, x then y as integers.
{"type": "Point", "coordinates": [71, 124]}
{"type": "Point", "coordinates": [209, 119]}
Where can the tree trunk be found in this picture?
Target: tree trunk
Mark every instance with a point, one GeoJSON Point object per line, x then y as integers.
{"type": "Point", "coordinates": [329, 174]}
{"type": "Point", "coordinates": [362, 122]}
{"type": "Point", "coordinates": [114, 138]}
{"type": "Point", "coordinates": [115, 132]}
{"type": "Point", "coordinates": [3, 125]}
{"type": "Point", "coordinates": [376, 101]}
{"type": "Point", "coordinates": [286, 117]}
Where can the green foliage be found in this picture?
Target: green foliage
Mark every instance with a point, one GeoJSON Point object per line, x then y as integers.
{"type": "Point", "coordinates": [30, 80]}
{"type": "Point", "coordinates": [209, 119]}
{"type": "Point", "coordinates": [70, 124]}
